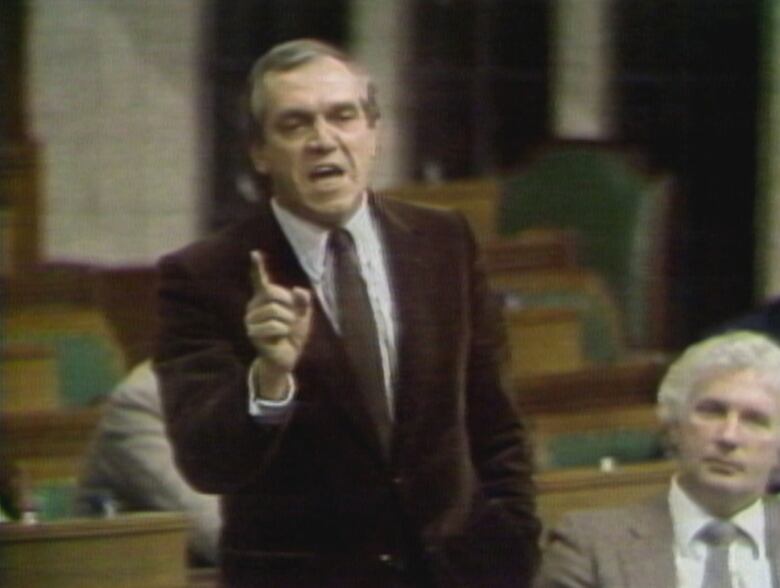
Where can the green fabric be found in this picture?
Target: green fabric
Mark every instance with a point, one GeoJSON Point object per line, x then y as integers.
{"type": "Point", "coordinates": [88, 366]}
{"type": "Point", "coordinates": [587, 449]}
{"type": "Point", "coordinates": [55, 500]}
{"type": "Point", "coordinates": [596, 193]}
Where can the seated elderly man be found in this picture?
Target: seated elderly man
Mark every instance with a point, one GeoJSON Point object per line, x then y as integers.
{"type": "Point", "coordinates": [720, 405]}
{"type": "Point", "coordinates": [131, 458]}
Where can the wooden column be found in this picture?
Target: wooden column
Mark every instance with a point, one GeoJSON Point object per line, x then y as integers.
{"type": "Point", "coordinates": [19, 196]}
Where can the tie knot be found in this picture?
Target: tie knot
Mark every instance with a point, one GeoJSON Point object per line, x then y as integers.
{"type": "Point", "coordinates": [340, 240]}
{"type": "Point", "coordinates": [719, 533]}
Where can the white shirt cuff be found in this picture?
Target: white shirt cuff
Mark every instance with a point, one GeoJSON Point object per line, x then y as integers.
{"type": "Point", "coordinates": [269, 411]}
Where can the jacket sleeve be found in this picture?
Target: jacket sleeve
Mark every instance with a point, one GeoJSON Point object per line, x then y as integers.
{"type": "Point", "coordinates": [498, 439]}
{"type": "Point", "coordinates": [202, 362]}
{"type": "Point", "coordinates": [568, 560]}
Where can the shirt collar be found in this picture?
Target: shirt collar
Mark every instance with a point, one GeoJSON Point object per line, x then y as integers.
{"type": "Point", "coordinates": [309, 240]}
{"type": "Point", "coordinates": [689, 518]}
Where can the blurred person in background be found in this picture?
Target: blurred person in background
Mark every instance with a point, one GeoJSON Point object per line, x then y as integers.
{"type": "Point", "coordinates": [130, 463]}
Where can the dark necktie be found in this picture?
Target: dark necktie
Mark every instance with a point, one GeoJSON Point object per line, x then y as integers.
{"type": "Point", "coordinates": [718, 535]}
{"type": "Point", "coordinates": [359, 332]}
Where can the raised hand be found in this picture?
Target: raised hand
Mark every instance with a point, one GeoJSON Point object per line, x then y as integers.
{"type": "Point", "coordinates": [277, 321]}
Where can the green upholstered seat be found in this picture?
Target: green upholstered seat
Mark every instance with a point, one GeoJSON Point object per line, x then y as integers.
{"type": "Point", "coordinates": [620, 214]}
{"type": "Point", "coordinates": [589, 448]}
{"type": "Point", "coordinates": [88, 366]}
{"type": "Point", "coordinates": [89, 360]}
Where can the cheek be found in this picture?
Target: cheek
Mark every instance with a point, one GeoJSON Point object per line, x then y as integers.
{"type": "Point", "coordinates": [364, 149]}
{"type": "Point", "coordinates": [695, 436]}
{"type": "Point", "coordinates": [769, 452]}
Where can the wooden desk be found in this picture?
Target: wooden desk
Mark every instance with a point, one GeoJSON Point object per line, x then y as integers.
{"type": "Point", "coordinates": [560, 491]}
{"type": "Point", "coordinates": [48, 444]}
{"type": "Point", "coordinates": [142, 550]}
{"type": "Point", "coordinates": [633, 380]}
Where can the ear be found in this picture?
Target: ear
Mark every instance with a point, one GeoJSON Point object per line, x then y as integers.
{"type": "Point", "coordinates": [257, 155]}
{"type": "Point", "coordinates": [670, 436]}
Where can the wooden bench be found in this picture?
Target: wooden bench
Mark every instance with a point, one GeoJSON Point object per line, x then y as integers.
{"type": "Point", "coordinates": [632, 380]}
{"type": "Point", "coordinates": [621, 434]}
{"type": "Point", "coordinates": [476, 198]}
{"type": "Point", "coordinates": [561, 491]}
{"type": "Point", "coordinates": [127, 551]}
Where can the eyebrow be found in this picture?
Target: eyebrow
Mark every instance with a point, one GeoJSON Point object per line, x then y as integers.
{"type": "Point", "coordinates": [304, 112]}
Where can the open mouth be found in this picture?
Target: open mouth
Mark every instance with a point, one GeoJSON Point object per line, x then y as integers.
{"type": "Point", "coordinates": [325, 171]}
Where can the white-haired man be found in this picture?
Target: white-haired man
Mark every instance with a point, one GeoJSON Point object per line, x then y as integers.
{"type": "Point", "coordinates": [720, 406]}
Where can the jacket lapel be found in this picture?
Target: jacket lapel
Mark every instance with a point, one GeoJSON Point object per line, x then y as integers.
{"type": "Point", "coordinates": [325, 346]}
{"type": "Point", "coordinates": [324, 359]}
{"type": "Point", "coordinates": [647, 556]}
{"type": "Point", "coordinates": [405, 264]}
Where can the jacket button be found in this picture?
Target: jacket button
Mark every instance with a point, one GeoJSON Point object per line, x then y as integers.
{"type": "Point", "coordinates": [393, 562]}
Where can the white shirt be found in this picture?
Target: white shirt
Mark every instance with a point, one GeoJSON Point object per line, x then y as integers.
{"type": "Point", "coordinates": [309, 242]}
{"type": "Point", "coordinates": [748, 561]}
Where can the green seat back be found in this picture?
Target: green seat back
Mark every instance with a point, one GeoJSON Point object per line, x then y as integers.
{"type": "Point", "coordinates": [588, 448]}
{"type": "Point", "coordinates": [614, 209]}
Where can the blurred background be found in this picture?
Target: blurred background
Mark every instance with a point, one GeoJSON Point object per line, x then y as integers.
{"type": "Point", "coordinates": [131, 111]}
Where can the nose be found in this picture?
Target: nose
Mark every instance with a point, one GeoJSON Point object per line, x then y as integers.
{"type": "Point", "coordinates": [730, 429]}
{"type": "Point", "coordinates": [321, 137]}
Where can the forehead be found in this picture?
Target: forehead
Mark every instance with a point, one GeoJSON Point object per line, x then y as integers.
{"type": "Point", "coordinates": [315, 84]}
{"type": "Point", "coordinates": [742, 390]}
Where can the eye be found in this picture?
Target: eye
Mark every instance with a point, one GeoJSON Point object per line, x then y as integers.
{"type": "Point", "coordinates": [757, 419]}
{"type": "Point", "coordinates": [709, 409]}
{"type": "Point", "coordinates": [291, 123]}
{"type": "Point", "coordinates": [345, 113]}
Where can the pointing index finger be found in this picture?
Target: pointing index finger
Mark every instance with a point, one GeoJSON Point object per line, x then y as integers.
{"type": "Point", "coordinates": [258, 272]}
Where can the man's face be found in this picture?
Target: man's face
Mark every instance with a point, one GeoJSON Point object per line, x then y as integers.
{"type": "Point", "coordinates": [728, 442]}
{"type": "Point", "coordinates": [318, 145]}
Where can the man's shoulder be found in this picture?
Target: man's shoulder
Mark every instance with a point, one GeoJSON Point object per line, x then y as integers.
{"type": "Point", "coordinates": [417, 210]}
{"type": "Point", "coordinates": [139, 390]}
{"type": "Point", "coordinates": [219, 248]}
{"type": "Point", "coordinates": [435, 222]}
{"type": "Point", "coordinates": [611, 521]}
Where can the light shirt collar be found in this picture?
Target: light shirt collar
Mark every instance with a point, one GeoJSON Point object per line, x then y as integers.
{"type": "Point", "coordinates": [689, 518]}
{"type": "Point", "coordinates": [309, 240]}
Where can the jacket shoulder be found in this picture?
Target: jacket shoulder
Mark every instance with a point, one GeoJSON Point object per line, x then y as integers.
{"type": "Point", "coordinates": [419, 212]}
{"type": "Point", "coordinates": [219, 250]}
{"type": "Point", "coordinates": [610, 522]}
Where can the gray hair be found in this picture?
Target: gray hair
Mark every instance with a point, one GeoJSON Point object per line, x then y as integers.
{"type": "Point", "coordinates": [717, 356]}
{"type": "Point", "coordinates": [287, 56]}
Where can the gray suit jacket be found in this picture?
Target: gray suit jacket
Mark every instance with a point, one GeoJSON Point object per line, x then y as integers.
{"type": "Point", "coordinates": [628, 547]}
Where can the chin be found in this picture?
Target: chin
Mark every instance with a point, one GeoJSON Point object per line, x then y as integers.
{"type": "Point", "coordinates": [735, 488]}
{"type": "Point", "coordinates": [338, 208]}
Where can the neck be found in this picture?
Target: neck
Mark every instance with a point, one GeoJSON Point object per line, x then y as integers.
{"type": "Point", "coordinates": [717, 503]}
